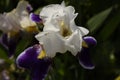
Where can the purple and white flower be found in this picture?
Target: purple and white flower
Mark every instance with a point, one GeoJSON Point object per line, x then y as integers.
{"type": "Point", "coordinates": [17, 19]}
{"type": "Point", "coordinates": [60, 33]}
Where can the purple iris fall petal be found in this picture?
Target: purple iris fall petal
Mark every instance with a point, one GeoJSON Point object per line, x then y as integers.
{"type": "Point", "coordinates": [9, 44]}
{"type": "Point", "coordinates": [35, 17]}
{"type": "Point", "coordinates": [84, 59]}
{"type": "Point", "coordinates": [12, 43]}
{"type": "Point", "coordinates": [91, 41]}
{"type": "Point", "coordinates": [84, 55]}
{"type": "Point", "coordinates": [4, 40]}
{"type": "Point", "coordinates": [38, 67]}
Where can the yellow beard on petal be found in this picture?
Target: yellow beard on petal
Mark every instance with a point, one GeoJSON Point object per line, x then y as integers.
{"type": "Point", "coordinates": [31, 29]}
{"type": "Point", "coordinates": [42, 55]}
{"type": "Point", "coordinates": [118, 78]}
{"type": "Point", "coordinates": [84, 44]}
{"type": "Point", "coordinates": [65, 31]}
{"type": "Point", "coordinates": [28, 25]}
{"type": "Point", "coordinates": [12, 33]}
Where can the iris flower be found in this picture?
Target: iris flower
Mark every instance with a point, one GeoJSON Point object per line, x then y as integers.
{"type": "Point", "coordinates": [13, 22]}
{"type": "Point", "coordinates": [60, 33]}
{"type": "Point", "coordinates": [17, 19]}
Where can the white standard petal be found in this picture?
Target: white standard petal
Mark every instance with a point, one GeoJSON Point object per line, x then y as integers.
{"type": "Point", "coordinates": [23, 14]}
{"type": "Point", "coordinates": [22, 7]}
{"type": "Point", "coordinates": [52, 43]}
{"type": "Point", "coordinates": [5, 27]}
{"type": "Point", "coordinates": [13, 19]}
{"type": "Point", "coordinates": [71, 12]}
{"type": "Point", "coordinates": [9, 22]}
{"type": "Point", "coordinates": [74, 42]}
{"type": "Point", "coordinates": [26, 22]}
{"type": "Point", "coordinates": [50, 10]}
{"type": "Point", "coordinates": [51, 26]}
{"type": "Point", "coordinates": [16, 19]}
{"type": "Point", "coordinates": [63, 3]}
{"type": "Point", "coordinates": [83, 31]}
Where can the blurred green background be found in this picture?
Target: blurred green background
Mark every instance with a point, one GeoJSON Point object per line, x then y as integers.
{"type": "Point", "coordinates": [102, 18]}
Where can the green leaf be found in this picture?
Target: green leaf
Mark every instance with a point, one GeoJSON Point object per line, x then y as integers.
{"type": "Point", "coordinates": [23, 44]}
{"type": "Point", "coordinates": [3, 53]}
{"type": "Point", "coordinates": [96, 21]}
{"type": "Point", "coordinates": [110, 27]}
{"type": "Point", "coordinates": [37, 11]}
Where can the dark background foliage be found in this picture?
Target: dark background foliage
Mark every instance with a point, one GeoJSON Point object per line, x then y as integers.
{"type": "Point", "coordinates": [101, 17]}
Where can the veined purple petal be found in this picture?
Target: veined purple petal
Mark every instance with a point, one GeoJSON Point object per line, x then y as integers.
{"type": "Point", "coordinates": [29, 8]}
{"type": "Point", "coordinates": [91, 41]}
{"type": "Point", "coordinates": [35, 17]}
{"type": "Point", "coordinates": [38, 67]}
{"type": "Point", "coordinates": [4, 41]}
{"type": "Point", "coordinates": [9, 43]}
{"type": "Point", "coordinates": [12, 43]}
{"type": "Point", "coordinates": [28, 56]}
{"type": "Point", "coordinates": [84, 59]}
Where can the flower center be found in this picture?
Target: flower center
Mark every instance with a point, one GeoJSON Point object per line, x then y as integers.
{"type": "Point", "coordinates": [31, 29]}
{"type": "Point", "coordinates": [84, 44]}
{"type": "Point", "coordinates": [64, 29]}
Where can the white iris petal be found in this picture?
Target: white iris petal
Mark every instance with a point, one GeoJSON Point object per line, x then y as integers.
{"type": "Point", "coordinates": [74, 42]}
{"type": "Point", "coordinates": [60, 33]}
{"type": "Point", "coordinates": [83, 31]}
{"type": "Point", "coordinates": [52, 43]}
{"type": "Point", "coordinates": [26, 22]}
{"type": "Point", "coordinates": [21, 11]}
{"type": "Point", "coordinates": [9, 22]}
